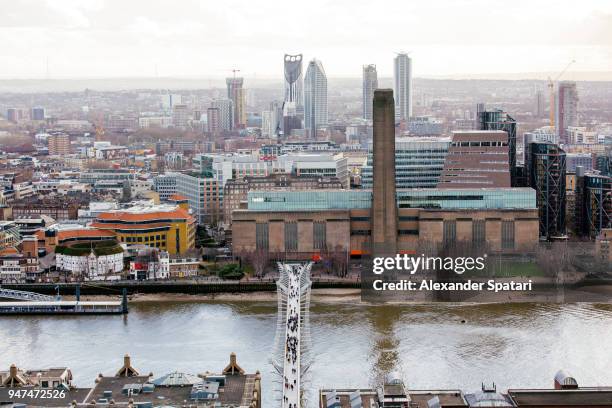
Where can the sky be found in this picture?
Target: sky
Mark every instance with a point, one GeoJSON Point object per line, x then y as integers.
{"type": "Point", "coordinates": [207, 39]}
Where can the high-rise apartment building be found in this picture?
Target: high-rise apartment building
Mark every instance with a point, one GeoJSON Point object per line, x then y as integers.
{"type": "Point", "coordinates": [369, 84]}
{"type": "Point", "coordinates": [315, 97]}
{"type": "Point", "coordinates": [402, 91]}
{"type": "Point", "coordinates": [539, 104]}
{"type": "Point", "coordinates": [546, 167]}
{"type": "Point", "coordinates": [59, 144]}
{"type": "Point", "coordinates": [293, 105]}
{"type": "Point", "coordinates": [180, 116]}
{"type": "Point", "coordinates": [566, 112]}
{"type": "Point", "coordinates": [226, 113]}
{"type": "Point", "coordinates": [213, 120]}
{"type": "Point", "coordinates": [236, 94]}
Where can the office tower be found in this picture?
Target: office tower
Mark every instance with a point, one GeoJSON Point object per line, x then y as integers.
{"type": "Point", "coordinates": [539, 104]}
{"type": "Point", "coordinates": [293, 104]}
{"type": "Point", "coordinates": [384, 204]}
{"type": "Point", "coordinates": [59, 144]}
{"type": "Point", "coordinates": [38, 113]}
{"type": "Point", "coordinates": [500, 120]}
{"type": "Point", "coordinates": [236, 94]}
{"type": "Point", "coordinates": [315, 97]}
{"type": "Point", "coordinates": [546, 167]}
{"type": "Point", "coordinates": [403, 87]}
{"type": "Point", "coordinates": [477, 159]}
{"type": "Point", "coordinates": [213, 119]}
{"type": "Point", "coordinates": [370, 83]}
{"type": "Point", "coordinates": [419, 162]}
{"type": "Point", "coordinates": [226, 113]}
{"type": "Point", "coordinates": [566, 111]}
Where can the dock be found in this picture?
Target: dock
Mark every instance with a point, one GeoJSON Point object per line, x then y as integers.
{"type": "Point", "coordinates": [62, 307]}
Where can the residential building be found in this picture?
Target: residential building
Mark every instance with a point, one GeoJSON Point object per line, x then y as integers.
{"type": "Point", "coordinates": [315, 98]}
{"type": "Point", "coordinates": [59, 144]}
{"type": "Point", "coordinates": [236, 94]}
{"type": "Point", "coordinates": [369, 85]}
{"type": "Point", "coordinates": [402, 91]}
{"type": "Point", "coordinates": [225, 109]}
{"type": "Point", "coordinates": [566, 109]}
{"type": "Point", "coordinates": [293, 105]}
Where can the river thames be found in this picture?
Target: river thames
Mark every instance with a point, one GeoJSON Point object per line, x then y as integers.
{"type": "Point", "coordinates": [429, 346]}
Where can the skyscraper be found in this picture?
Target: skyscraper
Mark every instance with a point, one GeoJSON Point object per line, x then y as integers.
{"type": "Point", "coordinates": [293, 106]}
{"type": "Point", "coordinates": [236, 94]}
{"type": "Point", "coordinates": [213, 117]}
{"type": "Point", "coordinates": [566, 112]}
{"type": "Point", "coordinates": [370, 83]}
{"type": "Point", "coordinates": [539, 104]}
{"type": "Point", "coordinates": [315, 97]}
{"type": "Point", "coordinates": [402, 91]}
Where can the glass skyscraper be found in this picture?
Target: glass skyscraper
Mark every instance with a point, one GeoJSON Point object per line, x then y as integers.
{"type": "Point", "coordinates": [315, 97]}
{"type": "Point", "coordinates": [402, 91]}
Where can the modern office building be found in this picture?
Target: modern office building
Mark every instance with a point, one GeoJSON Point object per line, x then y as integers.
{"type": "Point", "coordinates": [419, 162]}
{"type": "Point", "coordinates": [315, 98]}
{"type": "Point", "coordinates": [573, 160]}
{"type": "Point", "coordinates": [204, 194]}
{"type": "Point", "coordinates": [477, 158]}
{"type": "Point", "coordinates": [402, 91]}
{"type": "Point", "coordinates": [167, 227]}
{"type": "Point", "coordinates": [236, 94]}
{"type": "Point", "coordinates": [302, 224]}
{"type": "Point", "coordinates": [546, 166]}
{"type": "Point", "coordinates": [165, 185]}
{"type": "Point", "coordinates": [425, 126]}
{"type": "Point", "coordinates": [500, 120]}
{"type": "Point", "coordinates": [369, 85]}
{"type": "Point", "coordinates": [539, 109]}
{"type": "Point", "coordinates": [325, 165]}
{"type": "Point", "coordinates": [566, 109]}
{"type": "Point", "coordinates": [226, 113]}
{"type": "Point", "coordinates": [59, 144]}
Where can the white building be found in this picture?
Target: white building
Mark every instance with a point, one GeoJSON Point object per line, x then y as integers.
{"type": "Point", "coordinates": [315, 97]}
{"type": "Point", "coordinates": [91, 266]}
{"type": "Point", "coordinates": [155, 121]}
{"type": "Point", "coordinates": [402, 91]}
{"type": "Point", "coordinates": [580, 135]}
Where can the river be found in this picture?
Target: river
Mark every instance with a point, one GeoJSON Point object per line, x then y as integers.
{"type": "Point", "coordinates": [429, 346]}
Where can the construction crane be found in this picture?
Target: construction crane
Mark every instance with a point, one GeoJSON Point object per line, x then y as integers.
{"type": "Point", "coordinates": [551, 90]}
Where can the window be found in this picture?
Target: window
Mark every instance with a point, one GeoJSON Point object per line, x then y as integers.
{"type": "Point", "coordinates": [291, 236]}
{"type": "Point", "coordinates": [449, 232]}
{"type": "Point", "coordinates": [507, 237]}
{"type": "Point", "coordinates": [479, 233]}
{"type": "Point", "coordinates": [261, 235]}
{"type": "Point", "coordinates": [319, 235]}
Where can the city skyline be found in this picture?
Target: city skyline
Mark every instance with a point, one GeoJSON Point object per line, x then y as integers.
{"type": "Point", "coordinates": [68, 39]}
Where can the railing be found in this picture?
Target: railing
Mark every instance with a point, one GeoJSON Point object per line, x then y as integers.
{"type": "Point", "coordinates": [23, 295]}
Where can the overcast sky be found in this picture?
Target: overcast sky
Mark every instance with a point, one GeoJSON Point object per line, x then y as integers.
{"type": "Point", "coordinates": [203, 38]}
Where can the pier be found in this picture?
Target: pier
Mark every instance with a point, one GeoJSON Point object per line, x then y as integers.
{"type": "Point", "coordinates": [35, 303]}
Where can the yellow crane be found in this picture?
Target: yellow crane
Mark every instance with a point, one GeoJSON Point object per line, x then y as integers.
{"type": "Point", "coordinates": [551, 90]}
